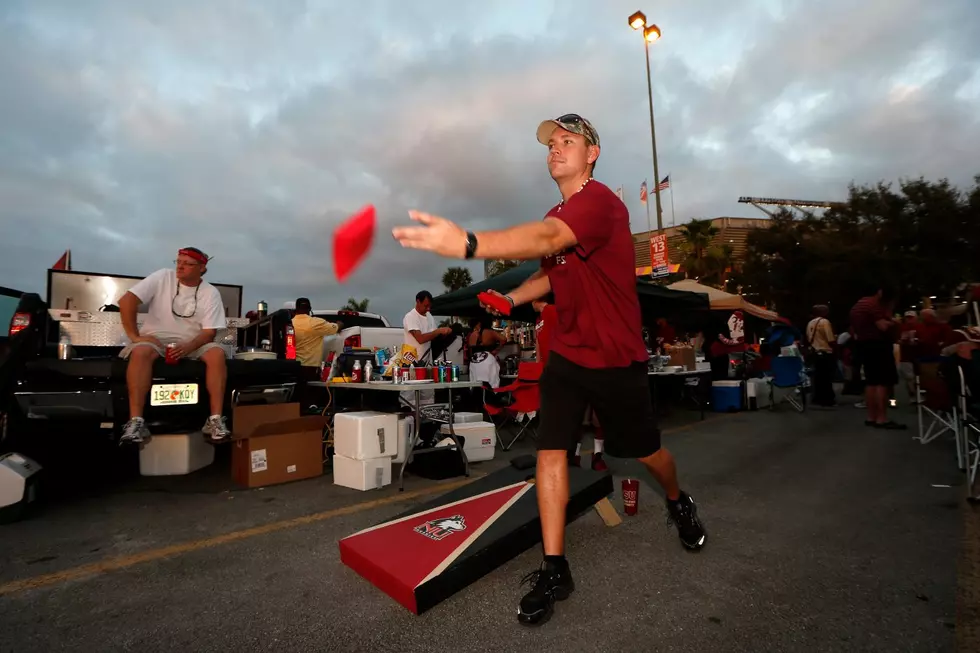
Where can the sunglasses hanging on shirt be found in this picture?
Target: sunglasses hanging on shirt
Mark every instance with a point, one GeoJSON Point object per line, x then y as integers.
{"type": "Point", "coordinates": [173, 302]}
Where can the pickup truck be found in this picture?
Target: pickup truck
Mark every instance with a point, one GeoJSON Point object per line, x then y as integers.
{"type": "Point", "coordinates": [372, 331]}
{"type": "Point", "coordinates": [42, 394]}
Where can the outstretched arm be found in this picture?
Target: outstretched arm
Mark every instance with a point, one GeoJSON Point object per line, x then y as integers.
{"type": "Point", "coordinates": [524, 241]}
{"type": "Point", "coordinates": [535, 287]}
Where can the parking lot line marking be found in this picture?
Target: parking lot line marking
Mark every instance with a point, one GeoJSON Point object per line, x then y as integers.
{"type": "Point", "coordinates": [122, 562]}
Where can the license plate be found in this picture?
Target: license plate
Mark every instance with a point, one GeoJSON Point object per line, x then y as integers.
{"type": "Point", "coordinates": [176, 394]}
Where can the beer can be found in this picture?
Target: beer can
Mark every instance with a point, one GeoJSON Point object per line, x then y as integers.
{"type": "Point", "coordinates": [64, 348]}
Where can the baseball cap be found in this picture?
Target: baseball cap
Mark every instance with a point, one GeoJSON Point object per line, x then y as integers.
{"type": "Point", "coordinates": [570, 122]}
{"type": "Point", "coordinates": [910, 314]}
{"type": "Point", "coordinates": [303, 303]}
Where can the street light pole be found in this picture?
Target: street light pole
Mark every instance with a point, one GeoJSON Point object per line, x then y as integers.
{"type": "Point", "coordinates": [638, 21]}
{"type": "Point", "coordinates": [653, 138]}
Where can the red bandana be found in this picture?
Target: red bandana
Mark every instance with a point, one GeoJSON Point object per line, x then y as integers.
{"type": "Point", "coordinates": [197, 256]}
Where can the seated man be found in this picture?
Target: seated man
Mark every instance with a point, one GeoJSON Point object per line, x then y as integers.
{"type": "Point", "coordinates": [309, 333]}
{"type": "Point", "coordinates": [186, 311]}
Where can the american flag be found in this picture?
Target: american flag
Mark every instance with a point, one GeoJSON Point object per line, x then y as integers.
{"type": "Point", "coordinates": [664, 184]}
{"type": "Point", "coordinates": [643, 192]}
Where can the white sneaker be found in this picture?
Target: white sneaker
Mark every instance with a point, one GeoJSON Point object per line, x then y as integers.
{"type": "Point", "coordinates": [216, 428]}
{"type": "Point", "coordinates": [135, 432]}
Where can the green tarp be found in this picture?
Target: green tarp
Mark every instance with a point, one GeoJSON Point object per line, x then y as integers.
{"type": "Point", "coordinates": [655, 300]}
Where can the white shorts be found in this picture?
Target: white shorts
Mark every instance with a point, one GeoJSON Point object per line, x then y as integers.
{"type": "Point", "coordinates": [194, 355]}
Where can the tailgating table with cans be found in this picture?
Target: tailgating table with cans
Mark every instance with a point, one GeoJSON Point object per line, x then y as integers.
{"type": "Point", "coordinates": [418, 387]}
{"type": "Point", "coordinates": [699, 376]}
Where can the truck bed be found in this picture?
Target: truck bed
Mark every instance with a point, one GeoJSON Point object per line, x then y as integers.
{"type": "Point", "coordinates": [113, 368]}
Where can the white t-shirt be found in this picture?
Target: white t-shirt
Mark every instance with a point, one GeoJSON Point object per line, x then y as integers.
{"type": "Point", "coordinates": [414, 321]}
{"type": "Point", "coordinates": [160, 292]}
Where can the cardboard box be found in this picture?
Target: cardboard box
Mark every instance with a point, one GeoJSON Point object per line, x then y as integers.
{"type": "Point", "coordinates": [684, 357]}
{"type": "Point", "coordinates": [273, 445]}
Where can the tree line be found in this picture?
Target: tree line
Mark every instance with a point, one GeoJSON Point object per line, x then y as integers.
{"type": "Point", "coordinates": [922, 238]}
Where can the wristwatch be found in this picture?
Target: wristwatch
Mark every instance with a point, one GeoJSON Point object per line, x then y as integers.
{"type": "Point", "coordinates": [470, 244]}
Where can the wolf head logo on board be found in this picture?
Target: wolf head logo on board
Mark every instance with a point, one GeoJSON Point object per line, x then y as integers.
{"type": "Point", "coordinates": [439, 529]}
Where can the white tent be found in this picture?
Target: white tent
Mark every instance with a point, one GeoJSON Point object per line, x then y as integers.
{"type": "Point", "coordinates": [722, 301]}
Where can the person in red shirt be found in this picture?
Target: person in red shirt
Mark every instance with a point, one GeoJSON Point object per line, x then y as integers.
{"type": "Point", "coordinates": [875, 333]}
{"type": "Point", "coordinates": [598, 356]}
{"type": "Point", "coordinates": [547, 316]}
{"type": "Point", "coordinates": [932, 335]}
{"type": "Point", "coordinates": [544, 326]}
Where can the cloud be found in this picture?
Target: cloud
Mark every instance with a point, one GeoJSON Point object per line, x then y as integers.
{"type": "Point", "coordinates": [251, 129]}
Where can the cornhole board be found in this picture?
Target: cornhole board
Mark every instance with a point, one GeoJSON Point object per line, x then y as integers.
{"type": "Point", "coordinates": [426, 554]}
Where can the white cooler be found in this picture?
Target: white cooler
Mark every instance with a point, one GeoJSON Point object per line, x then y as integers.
{"type": "Point", "coordinates": [757, 391]}
{"type": "Point", "coordinates": [481, 439]}
{"type": "Point", "coordinates": [406, 425]}
{"type": "Point", "coordinates": [175, 454]}
{"type": "Point", "coordinates": [365, 434]}
{"type": "Point", "coordinates": [369, 474]}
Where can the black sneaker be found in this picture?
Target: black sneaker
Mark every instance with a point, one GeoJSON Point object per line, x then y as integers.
{"type": "Point", "coordinates": [552, 582]}
{"type": "Point", "coordinates": [684, 513]}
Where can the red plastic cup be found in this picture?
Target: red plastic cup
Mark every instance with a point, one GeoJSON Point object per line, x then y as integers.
{"type": "Point", "coordinates": [171, 357]}
{"type": "Point", "coordinates": [421, 373]}
{"type": "Point", "coordinates": [631, 496]}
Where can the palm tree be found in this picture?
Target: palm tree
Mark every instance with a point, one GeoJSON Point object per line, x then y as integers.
{"type": "Point", "coordinates": [456, 278]}
{"type": "Point", "coordinates": [702, 260]}
{"type": "Point", "coordinates": [357, 306]}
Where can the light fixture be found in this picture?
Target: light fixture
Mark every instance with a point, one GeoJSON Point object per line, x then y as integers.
{"type": "Point", "coordinates": [638, 20]}
{"type": "Point", "coordinates": [651, 33]}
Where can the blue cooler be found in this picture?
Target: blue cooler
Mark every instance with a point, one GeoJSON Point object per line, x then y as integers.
{"type": "Point", "coordinates": [726, 396]}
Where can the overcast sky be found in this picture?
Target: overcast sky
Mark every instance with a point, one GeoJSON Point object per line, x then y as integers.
{"type": "Point", "coordinates": [249, 128]}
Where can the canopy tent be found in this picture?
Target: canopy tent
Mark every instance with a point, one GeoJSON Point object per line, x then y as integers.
{"type": "Point", "coordinates": [655, 300]}
{"type": "Point", "coordinates": [722, 301]}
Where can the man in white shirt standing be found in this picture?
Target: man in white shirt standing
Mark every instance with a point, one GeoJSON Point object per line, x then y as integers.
{"type": "Point", "coordinates": [183, 310]}
{"type": "Point", "coordinates": [420, 326]}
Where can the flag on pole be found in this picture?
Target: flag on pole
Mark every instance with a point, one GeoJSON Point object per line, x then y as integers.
{"type": "Point", "coordinates": [643, 192]}
{"type": "Point", "coordinates": [64, 263]}
{"type": "Point", "coordinates": [664, 184]}
{"type": "Point", "coordinates": [619, 192]}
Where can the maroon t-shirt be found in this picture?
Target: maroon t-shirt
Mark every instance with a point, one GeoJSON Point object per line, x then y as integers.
{"type": "Point", "coordinates": [594, 283]}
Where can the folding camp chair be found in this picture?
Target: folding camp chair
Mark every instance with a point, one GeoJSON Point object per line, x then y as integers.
{"type": "Point", "coordinates": [518, 402]}
{"type": "Point", "coordinates": [936, 409]}
{"type": "Point", "coordinates": [969, 434]}
{"type": "Point", "coordinates": [787, 373]}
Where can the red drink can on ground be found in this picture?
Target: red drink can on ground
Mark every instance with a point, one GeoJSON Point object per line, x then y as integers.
{"type": "Point", "coordinates": [631, 496]}
{"type": "Point", "coordinates": [171, 357]}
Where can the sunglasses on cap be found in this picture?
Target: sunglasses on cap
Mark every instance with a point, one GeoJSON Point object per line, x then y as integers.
{"type": "Point", "coordinates": [579, 125]}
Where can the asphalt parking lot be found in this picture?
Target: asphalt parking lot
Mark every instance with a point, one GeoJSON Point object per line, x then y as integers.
{"type": "Point", "coordinates": [824, 535]}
